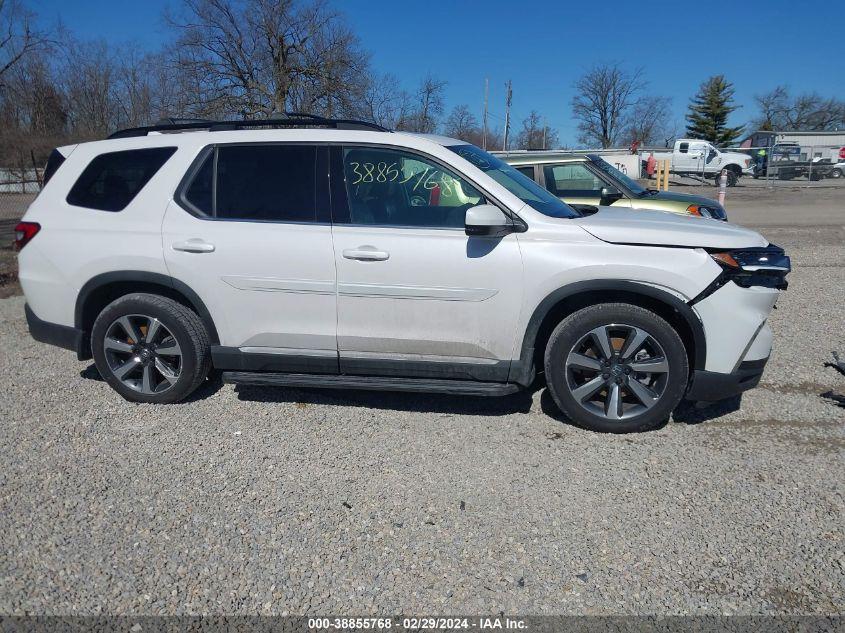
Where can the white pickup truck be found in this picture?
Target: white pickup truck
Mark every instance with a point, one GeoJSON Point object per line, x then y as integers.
{"type": "Point", "coordinates": [695, 157]}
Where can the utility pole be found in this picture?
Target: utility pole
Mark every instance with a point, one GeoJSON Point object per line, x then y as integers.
{"type": "Point", "coordinates": [545, 127]}
{"type": "Point", "coordinates": [508, 95]}
{"type": "Point", "coordinates": [484, 125]}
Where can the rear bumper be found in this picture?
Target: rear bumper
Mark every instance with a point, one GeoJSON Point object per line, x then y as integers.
{"type": "Point", "coordinates": [711, 386]}
{"type": "Point", "coordinates": [53, 333]}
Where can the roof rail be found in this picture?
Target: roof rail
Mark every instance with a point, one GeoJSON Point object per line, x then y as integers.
{"type": "Point", "coordinates": [169, 120]}
{"type": "Point", "coordinates": [294, 120]}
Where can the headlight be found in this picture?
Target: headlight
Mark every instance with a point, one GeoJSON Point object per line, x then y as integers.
{"type": "Point", "coordinates": [703, 212]}
{"type": "Point", "coordinates": [766, 266]}
{"type": "Point", "coordinates": [716, 212]}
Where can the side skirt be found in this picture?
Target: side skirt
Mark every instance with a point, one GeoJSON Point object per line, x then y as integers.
{"type": "Point", "coordinates": [374, 383]}
{"type": "Point", "coordinates": [232, 358]}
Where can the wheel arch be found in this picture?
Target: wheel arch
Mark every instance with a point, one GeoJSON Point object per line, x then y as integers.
{"type": "Point", "coordinates": [568, 299]}
{"type": "Point", "coordinates": [102, 289]}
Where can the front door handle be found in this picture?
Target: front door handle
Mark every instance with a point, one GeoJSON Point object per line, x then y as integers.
{"type": "Point", "coordinates": [366, 254]}
{"type": "Point", "coordinates": [195, 245]}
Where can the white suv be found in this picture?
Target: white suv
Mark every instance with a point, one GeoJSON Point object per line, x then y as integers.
{"type": "Point", "coordinates": [323, 253]}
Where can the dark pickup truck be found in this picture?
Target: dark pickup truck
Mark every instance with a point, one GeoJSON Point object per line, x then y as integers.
{"type": "Point", "coordinates": [784, 163]}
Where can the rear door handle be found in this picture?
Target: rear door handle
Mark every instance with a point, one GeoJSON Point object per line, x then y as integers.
{"type": "Point", "coordinates": [195, 245]}
{"type": "Point", "coordinates": [366, 254]}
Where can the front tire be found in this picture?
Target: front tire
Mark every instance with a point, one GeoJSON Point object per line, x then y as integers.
{"type": "Point", "coordinates": [150, 348]}
{"type": "Point", "coordinates": [616, 368]}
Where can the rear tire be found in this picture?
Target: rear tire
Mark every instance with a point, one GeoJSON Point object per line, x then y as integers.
{"type": "Point", "coordinates": [836, 173]}
{"type": "Point", "coordinates": [150, 348]}
{"type": "Point", "coordinates": [616, 368]}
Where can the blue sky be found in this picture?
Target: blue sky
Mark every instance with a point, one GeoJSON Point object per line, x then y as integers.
{"type": "Point", "coordinates": [543, 46]}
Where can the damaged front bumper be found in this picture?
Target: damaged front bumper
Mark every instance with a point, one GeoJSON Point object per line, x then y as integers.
{"type": "Point", "coordinates": [734, 311]}
{"type": "Point", "coordinates": [711, 386]}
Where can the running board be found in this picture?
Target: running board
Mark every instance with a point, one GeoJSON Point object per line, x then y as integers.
{"type": "Point", "coordinates": [374, 383]}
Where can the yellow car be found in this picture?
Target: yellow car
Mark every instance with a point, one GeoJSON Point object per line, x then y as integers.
{"type": "Point", "coordinates": [587, 179]}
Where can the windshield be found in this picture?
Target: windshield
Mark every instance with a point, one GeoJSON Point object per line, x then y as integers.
{"type": "Point", "coordinates": [636, 188]}
{"type": "Point", "coordinates": [518, 184]}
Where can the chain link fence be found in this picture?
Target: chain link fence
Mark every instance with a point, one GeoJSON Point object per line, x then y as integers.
{"type": "Point", "coordinates": [798, 165]}
{"type": "Point", "coordinates": [18, 188]}
{"type": "Point", "coordinates": [781, 165]}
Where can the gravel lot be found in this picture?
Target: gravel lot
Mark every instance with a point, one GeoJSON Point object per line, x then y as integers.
{"type": "Point", "coordinates": [295, 501]}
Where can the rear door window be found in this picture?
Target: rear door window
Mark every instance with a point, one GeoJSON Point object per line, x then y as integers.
{"type": "Point", "coordinates": [112, 180]}
{"type": "Point", "coordinates": [259, 183]}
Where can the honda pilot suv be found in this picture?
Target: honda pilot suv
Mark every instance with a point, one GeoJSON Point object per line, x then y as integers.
{"type": "Point", "coordinates": [312, 252]}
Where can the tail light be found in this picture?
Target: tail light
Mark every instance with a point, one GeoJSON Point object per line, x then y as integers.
{"type": "Point", "coordinates": [24, 232]}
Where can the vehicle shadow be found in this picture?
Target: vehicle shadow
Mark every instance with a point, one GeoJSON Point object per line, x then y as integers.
{"type": "Point", "coordinates": [685, 413]}
{"type": "Point", "coordinates": [208, 388]}
{"type": "Point", "coordinates": [519, 402]}
{"type": "Point", "coordinates": [91, 373]}
{"type": "Point", "coordinates": [688, 413]}
{"type": "Point", "coordinates": [548, 406]}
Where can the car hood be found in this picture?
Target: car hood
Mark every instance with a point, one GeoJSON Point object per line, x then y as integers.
{"type": "Point", "coordinates": [680, 197]}
{"type": "Point", "coordinates": [661, 228]}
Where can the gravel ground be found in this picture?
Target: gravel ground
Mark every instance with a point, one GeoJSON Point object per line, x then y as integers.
{"type": "Point", "coordinates": [295, 501]}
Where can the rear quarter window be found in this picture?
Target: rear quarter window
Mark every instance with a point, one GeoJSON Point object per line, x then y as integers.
{"type": "Point", "coordinates": [112, 180]}
{"type": "Point", "coordinates": [54, 161]}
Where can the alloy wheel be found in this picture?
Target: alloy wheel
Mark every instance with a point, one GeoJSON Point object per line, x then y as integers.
{"type": "Point", "coordinates": [617, 371]}
{"type": "Point", "coordinates": [142, 353]}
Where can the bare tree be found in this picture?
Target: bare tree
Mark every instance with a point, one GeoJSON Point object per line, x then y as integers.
{"type": "Point", "coordinates": [18, 35]}
{"type": "Point", "coordinates": [649, 121]}
{"type": "Point", "coordinates": [89, 81]}
{"type": "Point", "coordinates": [427, 107]}
{"type": "Point", "coordinates": [779, 110]}
{"type": "Point", "coordinates": [256, 57]}
{"type": "Point", "coordinates": [463, 124]}
{"type": "Point", "coordinates": [535, 134]}
{"type": "Point", "coordinates": [383, 102]}
{"type": "Point", "coordinates": [138, 88]}
{"type": "Point", "coordinates": [33, 114]}
{"type": "Point", "coordinates": [603, 101]}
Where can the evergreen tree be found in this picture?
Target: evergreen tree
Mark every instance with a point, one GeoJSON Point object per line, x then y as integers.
{"type": "Point", "coordinates": [708, 112]}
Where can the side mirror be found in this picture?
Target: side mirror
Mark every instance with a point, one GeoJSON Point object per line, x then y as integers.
{"type": "Point", "coordinates": [610, 194]}
{"type": "Point", "coordinates": [487, 220]}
